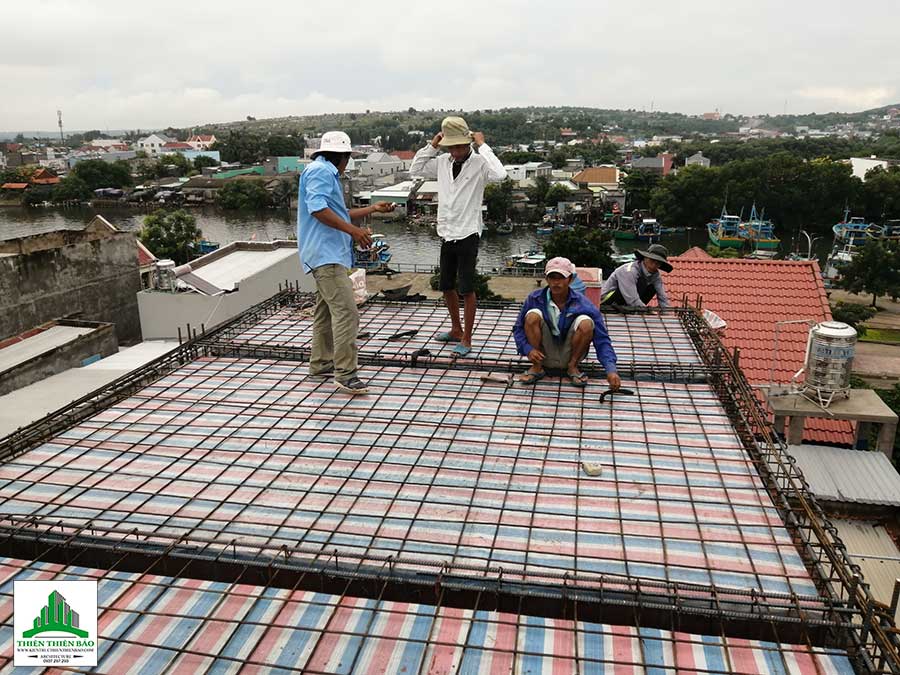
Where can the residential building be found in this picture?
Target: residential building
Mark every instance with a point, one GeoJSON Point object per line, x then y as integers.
{"type": "Point", "coordinates": [278, 165]}
{"type": "Point", "coordinates": [51, 348]}
{"type": "Point", "coordinates": [596, 178]}
{"type": "Point", "coordinates": [712, 116]}
{"type": "Point", "coordinates": [529, 170]}
{"type": "Point", "coordinates": [175, 146]}
{"type": "Point", "coordinates": [697, 159]}
{"type": "Point", "coordinates": [48, 272]}
{"type": "Point", "coordinates": [379, 164]}
{"type": "Point", "coordinates": [660, 165]}
{"type": "Point", "coordinates": [153, 144]}
{"type": "Point", "coordinates": [220, 285]}
{"type": "Point", "coordinates": [862, 165]}
{"type": "Point", "coordinates": [201, 141]}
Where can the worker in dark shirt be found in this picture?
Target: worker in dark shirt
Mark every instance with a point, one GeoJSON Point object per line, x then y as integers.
{"type": "Point", "coordinates": [636, 283]}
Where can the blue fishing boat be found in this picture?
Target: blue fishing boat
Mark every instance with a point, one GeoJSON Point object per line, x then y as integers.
{"type": "Point", "coordinates": [855, 231]}
{"type": "Point", "coordinates": [727, 231]}
{"type": "Point", "coordinates": [375, 257]}
{"type": "Point", "coordinates": [761, 232]}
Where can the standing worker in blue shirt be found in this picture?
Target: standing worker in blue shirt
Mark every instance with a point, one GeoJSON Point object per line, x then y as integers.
{"type": "Point", "coordinates": [556, 327]}
{"type": "Point", "coordinates": [461, 176]}
{"type": "Point", "coordinates": [325, 235]}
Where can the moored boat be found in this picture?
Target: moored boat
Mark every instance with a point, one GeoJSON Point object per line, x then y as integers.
{"type": "Point", "coordinates": [726, 231]}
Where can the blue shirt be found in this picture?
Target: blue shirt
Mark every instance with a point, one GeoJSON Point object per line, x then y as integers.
{"type": "Point", "coordinates": [319, 244]}
{"type": "Point", "coordinates": [576, 304]}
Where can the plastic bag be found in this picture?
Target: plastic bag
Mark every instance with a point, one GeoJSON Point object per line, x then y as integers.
{"type": "Point", "coordinates": [358, 280]}
{"type": "Point", "coordinates": [716, 322]}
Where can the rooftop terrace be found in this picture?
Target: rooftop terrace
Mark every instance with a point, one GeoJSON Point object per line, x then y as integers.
{"type": "Point", "coordinates": [443, 522]}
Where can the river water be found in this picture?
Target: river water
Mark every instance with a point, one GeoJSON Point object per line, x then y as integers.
{"type": "Point", "coordinates": [410, 244]}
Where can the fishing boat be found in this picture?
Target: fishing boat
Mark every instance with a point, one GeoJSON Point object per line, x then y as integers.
{"type": "Point", "coordinates": [855, 231]}
{"type": "Point", "coordinates": [376, 256]}
{"type": "Point", "coordinates": [727, 231]}
{"type": "Point", "coordinates": [890, 231]}
{"type": "Point", "coordinates": [544, 230]}
{"type": "Point", "coordinates": [761, 232]}
{"type": "Point", "coordinates": [840, 255]}
{"type": "Point", "coordinates": [529, 263]}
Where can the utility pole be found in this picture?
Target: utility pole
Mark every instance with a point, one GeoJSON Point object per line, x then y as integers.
{"type": "Point", "coordinates": [59, 119]}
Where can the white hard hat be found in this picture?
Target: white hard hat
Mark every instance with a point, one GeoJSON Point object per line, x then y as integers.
{"type": "Point", "coordinates": [334, 141]}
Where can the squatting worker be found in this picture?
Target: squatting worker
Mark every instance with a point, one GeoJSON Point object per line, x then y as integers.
{"type": "Point", "coordinates": [636, 283]}
{"type": "Point", "coordinates": [325, 235]}
{"type": "Point", "coordinates": [556, 327]}
{"type": "Point", "coordinates": [461, 175]}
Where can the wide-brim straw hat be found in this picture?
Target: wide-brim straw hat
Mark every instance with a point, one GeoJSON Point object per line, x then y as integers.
{"type": "Point", "coordinates": [656, 252]}
{"type": "Point", "coordinates": [456, 132]}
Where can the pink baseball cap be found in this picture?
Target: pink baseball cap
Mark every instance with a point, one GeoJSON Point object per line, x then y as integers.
{"type": "Point", "coordinates": [562, 266]}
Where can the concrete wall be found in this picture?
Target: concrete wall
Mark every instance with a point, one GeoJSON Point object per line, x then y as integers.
{"type": "Point", "coordinates": [93, 280]}
{"type": "Point", "coordinates": [163, 313]}
{"type": "Point", "coordinates": [98, 343]}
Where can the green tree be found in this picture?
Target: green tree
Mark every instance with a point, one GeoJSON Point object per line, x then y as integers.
{"type": "Point", "coordinates": [584, 246]}
{"type": "Point", "coordinates": [171, 234]}
{"type": "Point", "coordinates": [37, 194]}
{"type": "Point", "coordinates": [243, 194]}
{"type": "Point", "coordinates": [203, 161]}
{"type": "Point", "coordinates": [537, 194]}
{"type": "Point", "coordinates": [282, 194]}
{"type": "Point", "coordinates": [881, 193]}
{"type": "Point", "coordinates": [557, 193]}
{"type": "Point", "coordinates": [638, 185]}
{"type": "Point", "coordinates": [99, 174]}
{"type": "Point", "coordinates": [482, 290]}
{"type": "Point", "coordinates": [874, 269]}
{"type": "Point", "coordinates": [71, 188]}
{"type": "Point", "coordinates": [852, 315]}
{"type": "Point", "coordinates": [498, 199]}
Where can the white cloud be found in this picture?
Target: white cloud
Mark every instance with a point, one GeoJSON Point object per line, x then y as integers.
{"type": "Point", "coordinates": [108, 63]}
{"type": "Point", "coordinates": [850, 98]}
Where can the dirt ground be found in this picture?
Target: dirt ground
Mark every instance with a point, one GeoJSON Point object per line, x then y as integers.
{"type": "Point", "coordinates": [513, 288]}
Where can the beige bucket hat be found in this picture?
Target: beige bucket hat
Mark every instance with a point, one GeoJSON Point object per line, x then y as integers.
{"type": "Point", "coordinates": [456, 132]}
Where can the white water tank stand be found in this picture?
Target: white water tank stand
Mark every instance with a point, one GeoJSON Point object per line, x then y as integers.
{"type": "Point", "coordinates": [863, 406]}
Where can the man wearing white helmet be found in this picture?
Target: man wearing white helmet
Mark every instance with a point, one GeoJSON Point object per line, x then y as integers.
{"type": "Point", "coordinates": [461, 174]}
{"type": "Point", "coordinates": [325, 235]}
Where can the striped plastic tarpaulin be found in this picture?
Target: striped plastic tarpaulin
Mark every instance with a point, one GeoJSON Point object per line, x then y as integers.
{"type": "Point", "coordinates": [637, 338]}
{"type": "Point", "coordinates": [434, 467]}
{"type": "Point", "coordinates": [153, 624]}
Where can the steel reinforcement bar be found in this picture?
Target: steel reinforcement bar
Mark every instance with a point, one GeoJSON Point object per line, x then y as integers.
{"type": "Point", "coordinates": [876, 639]}
{"type": "Point", "coordinates": [744, 613]}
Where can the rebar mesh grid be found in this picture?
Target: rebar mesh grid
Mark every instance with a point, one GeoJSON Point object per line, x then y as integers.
{"type": "Point", "coordinates": [151, 622]}
{"type": "Point", "coordinates": [876, 645]}
{"type": "Point", "coordinates": [640, 340]}
{"type": "Point", "coordinates": [837, 576]}
{"type": "Point", "coordinates": [434, 466]}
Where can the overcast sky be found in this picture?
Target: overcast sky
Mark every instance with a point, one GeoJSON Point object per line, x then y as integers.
{"type": "Point", "coordinates": [114, 64]}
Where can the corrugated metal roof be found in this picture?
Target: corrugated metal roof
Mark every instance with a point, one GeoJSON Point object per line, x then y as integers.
{"type": "Point", "coordinates": [881, 564]}
{"type": "Point", "coordinates": [842, 475]}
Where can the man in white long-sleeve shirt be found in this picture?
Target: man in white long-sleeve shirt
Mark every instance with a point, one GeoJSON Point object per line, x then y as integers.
{"type": "Point", "coordinates": [461, 174]}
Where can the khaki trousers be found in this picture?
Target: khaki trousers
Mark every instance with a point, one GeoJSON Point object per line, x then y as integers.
{"type": "Point", "coordinates": [335, 324]}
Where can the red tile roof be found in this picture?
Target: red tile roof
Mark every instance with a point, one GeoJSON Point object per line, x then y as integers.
{"type": "Point", "coordinates": [177, 145]}
{"type": "Point", "coordinates": [695, 253]}
{"type": "Point", "coordinates": [752, 296]}
{"type": "Point", "coordinates": [14, 186]}
{"type": "Point", "coordinates": [145, 256]}
{"type": "Point", "coordinates": [403, 154]}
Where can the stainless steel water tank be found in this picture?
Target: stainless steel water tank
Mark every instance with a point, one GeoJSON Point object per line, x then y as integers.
{"type": "Point", "coordinates": [165, 275]}
{"type": "Point", "coordinates": [829, 357]}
